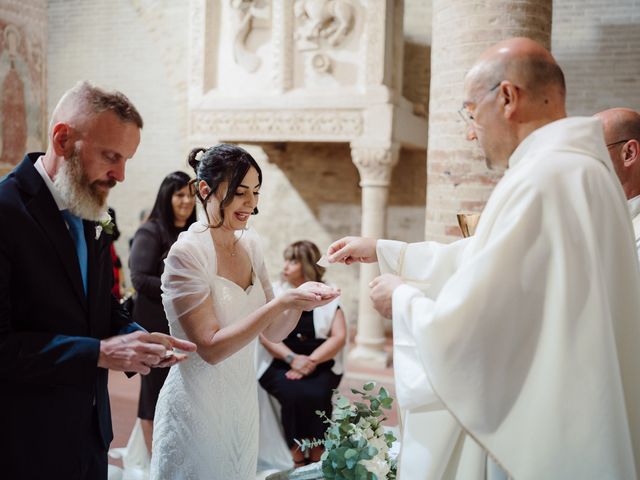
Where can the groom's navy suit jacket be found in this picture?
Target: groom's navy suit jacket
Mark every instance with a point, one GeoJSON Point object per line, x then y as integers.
{"type": "Point", "coordinates": [53, 397]}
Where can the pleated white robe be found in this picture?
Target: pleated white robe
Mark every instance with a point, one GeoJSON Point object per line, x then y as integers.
{"type": "Point", "coordinates": [634, 210]}
{"type": "Point", "coordinates": [516, 350]}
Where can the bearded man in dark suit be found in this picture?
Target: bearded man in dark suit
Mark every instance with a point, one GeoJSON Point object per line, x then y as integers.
{"type": "Point", "coordinates": [61, 330]}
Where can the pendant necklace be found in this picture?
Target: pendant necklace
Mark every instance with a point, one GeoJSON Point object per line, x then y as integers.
{"type": "Point", "coordinates": [232, 252]}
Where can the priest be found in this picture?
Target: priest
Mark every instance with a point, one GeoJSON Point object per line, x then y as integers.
{"type": "Point", "coordinates": [622, 136]}
{"type": "Point", "coordinates": [516, 350]}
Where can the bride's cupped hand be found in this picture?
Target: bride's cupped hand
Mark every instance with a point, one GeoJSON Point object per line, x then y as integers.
{"type": "Point", "coordinates": [310, 295]}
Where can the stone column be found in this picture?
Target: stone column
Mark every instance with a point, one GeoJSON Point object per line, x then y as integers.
{"type": "Point", "coordinates": [457, 178]}
{"type": "Point", "coordinates": [375, 164]}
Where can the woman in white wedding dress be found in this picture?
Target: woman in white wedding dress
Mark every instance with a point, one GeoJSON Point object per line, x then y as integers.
{"type": "Point", "coordinates": [216, 293]}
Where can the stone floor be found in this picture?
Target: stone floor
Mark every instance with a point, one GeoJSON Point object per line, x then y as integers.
{"type": "Point", "coordinates": [123, 393]}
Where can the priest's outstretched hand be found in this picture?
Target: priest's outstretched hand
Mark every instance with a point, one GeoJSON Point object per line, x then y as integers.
{"type": "Point", "coordinates": [348, 250]}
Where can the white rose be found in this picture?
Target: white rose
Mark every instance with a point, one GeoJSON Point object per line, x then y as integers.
{"type": "Point", "coordinates": [105, 218]}
{"type": "Point", "coordinates": [378, 466]}
{"type": "Point", "coordinates": [380, 445]}
{"type": "Point", "coordinates": [357, 435]}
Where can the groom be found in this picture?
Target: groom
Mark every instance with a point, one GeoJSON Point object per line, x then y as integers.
{"type": "Point", "coordinates": [60, 327]}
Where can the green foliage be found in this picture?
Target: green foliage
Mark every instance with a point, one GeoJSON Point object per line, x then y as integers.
{"type": "Point", "coordinates": [351, 433]}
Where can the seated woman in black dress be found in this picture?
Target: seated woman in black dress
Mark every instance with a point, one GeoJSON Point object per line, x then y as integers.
{"type": "Point", "coordinates": [308, 364]}
{"type": "Point", "coordinates": [172, 213]}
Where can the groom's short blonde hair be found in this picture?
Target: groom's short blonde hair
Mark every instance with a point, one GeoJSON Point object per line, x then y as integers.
{"type": "Point", "coordinates": [85, 100]}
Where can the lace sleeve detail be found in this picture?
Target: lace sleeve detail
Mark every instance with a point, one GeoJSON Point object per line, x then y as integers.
{"type": "Point", "coordinates": [185, 284]}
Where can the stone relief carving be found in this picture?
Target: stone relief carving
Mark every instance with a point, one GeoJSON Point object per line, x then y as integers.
{"type": "Point", "coordinates": [288, 124]}
{"type": "Point", "coordinates": [324, 19]}
{"type": "Point", "coordinates": [247, 13]}
{"type": "Point", "coordinates": [375, 164]}
{"type": "Point", "coordinates": [197, 12]}
{"type": "Point", "coordinates": [321, 62]}
{"type": "Point", "coordinates": [374, 43]}
{"type": "Point", "coordinates": [282, 34]}
{"type": "Point", "coordinates": [322, 23]}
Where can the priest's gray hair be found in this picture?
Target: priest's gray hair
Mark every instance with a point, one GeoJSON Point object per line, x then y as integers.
{"type": "Point", "coordinates": [535, 73]}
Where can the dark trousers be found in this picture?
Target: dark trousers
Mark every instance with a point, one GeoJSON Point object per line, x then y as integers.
{"type": "Point", "coordinates": [26, 458]}
{"type": "Point", "coordinates": [94, 464]}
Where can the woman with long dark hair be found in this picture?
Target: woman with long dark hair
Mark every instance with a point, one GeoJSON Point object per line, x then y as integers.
{"type": "Point", "coordinates": [216, 292]}
{"type": "Point", "coordinates": [172, 213]}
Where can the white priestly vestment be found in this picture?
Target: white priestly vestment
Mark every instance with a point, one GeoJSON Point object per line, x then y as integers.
{"type": "Point", "coordinates": [520, 344]}
{"type": "Point", "coordinates": [634, 211]}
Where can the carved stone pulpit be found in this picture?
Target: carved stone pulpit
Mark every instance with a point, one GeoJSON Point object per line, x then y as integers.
{"type": "Point", "coordinates": [309, 71]}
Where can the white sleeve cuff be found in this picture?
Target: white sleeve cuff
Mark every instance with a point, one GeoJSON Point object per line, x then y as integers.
{"type": "Point", "coordinates": [389, 254]}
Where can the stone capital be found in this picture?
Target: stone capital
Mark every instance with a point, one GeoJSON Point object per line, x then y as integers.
{"type": "Point", "coordinates": [375, 163]}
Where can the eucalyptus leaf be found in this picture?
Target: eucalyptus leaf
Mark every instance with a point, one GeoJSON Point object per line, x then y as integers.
{"type": "Point", "coordinates": [345, 441]}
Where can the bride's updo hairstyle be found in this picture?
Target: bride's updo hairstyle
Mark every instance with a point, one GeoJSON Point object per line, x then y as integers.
{"type": "Point", "coordinates": [222, 163]}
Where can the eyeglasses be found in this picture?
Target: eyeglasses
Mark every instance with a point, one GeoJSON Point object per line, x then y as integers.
{"type": "Point", "coordinates": [609, 145]}
{"type": "Point", "coordinates": [464, 112]}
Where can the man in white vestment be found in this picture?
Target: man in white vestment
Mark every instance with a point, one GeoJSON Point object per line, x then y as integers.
{"type": "Point", "coordinates": [622, 136]}
{"type": "Point", "coordinates": [516, 350]}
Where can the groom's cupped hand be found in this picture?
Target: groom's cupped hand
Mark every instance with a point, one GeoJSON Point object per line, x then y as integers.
{"type": "Point", "coordinates": [138, 352]}
{"type": "Point", "coordinates": [172, 357]}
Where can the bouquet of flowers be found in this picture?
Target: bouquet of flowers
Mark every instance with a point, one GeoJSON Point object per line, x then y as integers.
{"type": "Point", "coordinates": [356, 444]}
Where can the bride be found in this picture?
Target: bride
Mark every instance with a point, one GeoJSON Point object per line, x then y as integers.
{"type": "Point", "coordinates": [216, 293]}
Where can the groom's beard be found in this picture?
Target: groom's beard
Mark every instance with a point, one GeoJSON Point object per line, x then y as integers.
{"type": "Point", "coordinates": [82, 197]}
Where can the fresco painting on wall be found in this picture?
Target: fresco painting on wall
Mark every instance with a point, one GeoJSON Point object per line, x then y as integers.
{"type": "Point", "coordinates": [21, 100]}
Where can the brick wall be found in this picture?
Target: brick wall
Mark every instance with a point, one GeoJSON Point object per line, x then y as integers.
{"type": "Point", "coordinates": [417, 54]}
{"type": "Point", "coordinates": [597, 43]}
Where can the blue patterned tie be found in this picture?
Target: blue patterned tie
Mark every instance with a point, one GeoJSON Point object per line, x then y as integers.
{"type": "Point", "coordinates": [77, 234]}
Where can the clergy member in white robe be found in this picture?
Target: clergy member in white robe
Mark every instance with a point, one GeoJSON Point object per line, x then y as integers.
{"type": "Point", "coordinates": [634, 211]}
{"type": "Point", "coordinates": [622, 136]}
{"type": "Point", "coordinates": [516, 350]}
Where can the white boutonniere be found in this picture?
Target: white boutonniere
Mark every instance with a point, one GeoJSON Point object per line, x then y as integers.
{"type": "Point", "coordinates": [106, 224]}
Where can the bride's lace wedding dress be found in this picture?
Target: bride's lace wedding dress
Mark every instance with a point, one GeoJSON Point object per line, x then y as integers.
{"type": "Point", "coordinates": [206, 420]}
